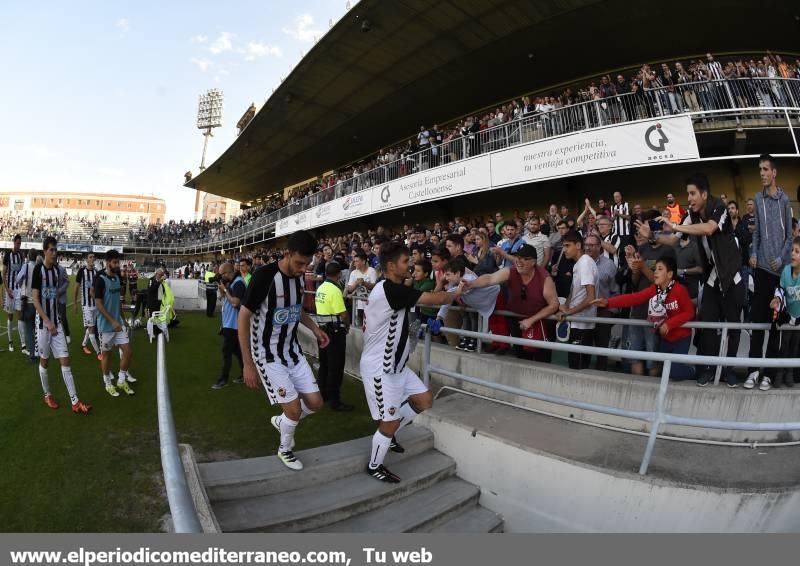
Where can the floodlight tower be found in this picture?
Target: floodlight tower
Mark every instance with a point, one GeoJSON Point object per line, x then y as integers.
{"type": "Point", "coordinates": [209, 116]}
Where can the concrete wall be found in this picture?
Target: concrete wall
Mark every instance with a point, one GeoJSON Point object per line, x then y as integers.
{"type": "Point", "coordinates": [611, 389]}
{"type": "Point", "coordinates": [536, 492]}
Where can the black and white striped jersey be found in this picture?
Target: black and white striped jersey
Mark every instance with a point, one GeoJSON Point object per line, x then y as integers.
{"type": "Point", "coordinates": [85, 279]}
{"type": "Point", "coordinates": [386, 336]}
{"type": "Point", "coordinates": [276, 301]}
{"type": "Point", "coordinates": [13, 262]}
{"type": "Point", "coordinates": [46, 281]}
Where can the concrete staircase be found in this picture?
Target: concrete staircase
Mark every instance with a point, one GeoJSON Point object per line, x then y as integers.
{"type": "Point", "coordinates": [333, 494]}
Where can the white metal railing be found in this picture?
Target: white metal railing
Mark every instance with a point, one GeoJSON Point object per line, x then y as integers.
{"type": "Point", "coordinates": [714, 102]}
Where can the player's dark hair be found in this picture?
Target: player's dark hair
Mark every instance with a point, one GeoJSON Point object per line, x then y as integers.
{"type": "Point", "coordinates": [49, 241]}
{"type": "Point", "coordinates": [112, 255]}
{"type": "Point", "coordinates": [768, 158]}
{"type": "Point", "coordinates": [86, 255]}
{"type": "Point", "coordinates": [391, 252]}
{"type": "Point", "coordinates": [456, 266]}
{"type": "Point", "coordinates": [303, 243]}
{"type": "Point", "coordinates": [574, 237]}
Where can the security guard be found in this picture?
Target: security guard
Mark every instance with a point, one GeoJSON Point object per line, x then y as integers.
{"type": "Point", "coordinates": [211, 291]}
{"type": "Point", "coordinates": [332, 317]}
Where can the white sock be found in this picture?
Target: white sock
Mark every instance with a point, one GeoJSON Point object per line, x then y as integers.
{"type": "Point", "coordinates": [380, 446]}
{"type": "Point", "coordinates": [108, 379]}
{"type": "Point", "coordinates": [304, 410]}
{"type": "Point", "coordinates": [45, 380]}
{"type": "Point", "coordinates": [69, 381]}
{"type": "Point", "coordinates": [93, 340]}
{"type": "Point", "coordinates": [123, 376]}
{"type": "Point", "coordinates": [21, 330]}
{"type": "Point", "coordinates": [407, 415]}
{"type": "Point", "coordinates": [85, 338]}
{"type": "Point", "coordinates": [8, 331]}
{"type": "Point", "coordinates": [287, 433]}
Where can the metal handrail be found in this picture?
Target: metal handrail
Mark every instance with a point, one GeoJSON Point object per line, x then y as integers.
{"type": "Point", "coordinates": [744, 97]}
{"type": "Point", "coordinates": [654, 418]}
{"type": "Point", "coordinates": [181, 505]}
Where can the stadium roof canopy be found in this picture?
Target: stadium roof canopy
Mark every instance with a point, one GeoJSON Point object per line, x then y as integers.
{"type": "Point", "coordinates": [432, 60]}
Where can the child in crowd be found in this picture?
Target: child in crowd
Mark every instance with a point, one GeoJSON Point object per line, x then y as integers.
{"type": "Point", "coordinates": [787, 296]}
{"type": "Point", "coordinates": [424, 283]}
{"type": "Point", "coordinates": [669, 308]}
{"type": "Point", "coordinates": [481, 299]}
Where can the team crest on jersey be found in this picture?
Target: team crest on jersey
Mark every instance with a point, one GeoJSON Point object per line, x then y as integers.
{"type": "Point", "coordinates": [288, 315]}
{"type": "Point", "coordinates": [392, 411]}
{"type": "Point", "coordinates": [282, 392]}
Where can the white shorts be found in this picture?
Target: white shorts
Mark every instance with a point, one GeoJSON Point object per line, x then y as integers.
{"type": "Point", "coordinates": [47, 344]}
{"type": "Point", "coordinates": [284, 383]}
{"type": "Point", "coordinates": [12, 304]}
{"type": "Point", "coordinates": [108, 340]}
{"type": "Point", "coordinates": [386, 392]}
{"type": "Point", "coordinates": [89, 317]}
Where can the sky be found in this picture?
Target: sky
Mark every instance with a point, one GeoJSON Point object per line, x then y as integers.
{"type": "Point", "coordinates": [101, 96]}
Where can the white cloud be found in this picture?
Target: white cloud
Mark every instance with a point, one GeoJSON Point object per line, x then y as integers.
{"type": "Point", "coordinates": [123, 25]}
{"type": "Point", "coordinates": [256, 49]}
{"type": "Point", "coordinates": [222, 43]}
{"type": "Point", "coordinates": [303, 29]}
{"type": "Point", "coordinates": [199, 39]}
{"type": "Point", "coordinates": [202, 64]}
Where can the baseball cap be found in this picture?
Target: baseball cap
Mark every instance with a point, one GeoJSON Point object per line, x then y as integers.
{"type": "Point", "coordinates": [527, 251]}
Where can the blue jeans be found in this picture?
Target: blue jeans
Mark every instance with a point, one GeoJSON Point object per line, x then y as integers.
{"type": "Point", "coordinates": [678, 371]}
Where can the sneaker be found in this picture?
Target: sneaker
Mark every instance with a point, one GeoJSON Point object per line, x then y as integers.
{"type": "Point", "coordinates": [703, 380]}
{"type": "Point", "coordinates": [112, 390]}
{"type": "Point", "coordinates": [25, 351]}
{"type": "Point", "coordinates": [50, 401]}
{"type": "Point", "coordinates": [395, 446]}
{"type": "Point", "coordinates": [87, 350]}
{"type": "Point", "coordinates": [751, 380]}
{"type": "Point", "coordinates": [125, 387]}
{"type": "Point", "coordinates": [290, 461]}
{"type": "Point", "coordinates": [11, 347]}
{"type": "Point", "coordinates": [238, 380]}
{"type": "Point", "coordinates": [732, 385]}
{"type": "Point", "coordinates": [472, 345]}
{"type": "Point", "coordinates": [219, 384]}
{"type": "Point", "coordinates": [340, 407]}
{"type": "Point", "coordinates": [276, 424]}
{"type": "Point", "coordinates": [462, 344]}
{"type": "Point", "coordinates": [382, 474]}
{"type": "Point", "coordinates": [766, 384]}
{"type": "Point", "coordinates": [81, 408]}
{"type": "Point", "coordinates": [69, 340]}
{"type": "Point", "coordinates": [130, 379]}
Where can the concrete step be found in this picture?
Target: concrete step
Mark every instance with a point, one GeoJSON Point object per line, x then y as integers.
{"type": "Point", "coordinates": [418, 512]}
{"type": "Point", "coordinates": [472, 520]}
{"type": "Point", "coordinates": [256, 477]}
{"type": "Point", "coordinates": [331, 501]}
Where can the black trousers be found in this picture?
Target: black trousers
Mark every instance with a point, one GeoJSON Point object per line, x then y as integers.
{"type": "Point", "coordinates": [331, 364]}
{"type": "Point", "coordinates": [230, 348]}
{"type": "Point", "coordinates": [540, 355]}
{"type": "Point", "coordinates": [211, 302]}
{"type": "Point", "coordinates": [583, 337]}
{"type": "Point", "coordinates": [141, 303]}
{"type": "Point", "coordinates": [765, 284]}
{"type": "Point", "coordinates": [602, 336]}
{"type": "Point", "coordinates": [716, 307]}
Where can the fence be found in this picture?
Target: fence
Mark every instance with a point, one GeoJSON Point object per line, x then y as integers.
{"type": "Point", "coordinates": [654, 418]}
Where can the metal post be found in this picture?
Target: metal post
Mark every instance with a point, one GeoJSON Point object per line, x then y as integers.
{"type": "Point", "coordinates": [426, 359]}
{"type": "Point", "coordinates": [723, 350]}
{"type": "Point", "coordinates": [651, 440]}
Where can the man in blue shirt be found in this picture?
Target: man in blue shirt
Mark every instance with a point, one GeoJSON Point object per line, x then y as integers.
{"type": "Point", "coordinates": [111, 324]}
{"type": "Point", "coordinates": [505, 250]}
{"type": "Point", "coordinates": [232, 288]}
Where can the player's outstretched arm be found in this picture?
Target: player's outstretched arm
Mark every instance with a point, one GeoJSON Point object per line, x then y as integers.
{"type": "Point", "coordinates": [250, 372]}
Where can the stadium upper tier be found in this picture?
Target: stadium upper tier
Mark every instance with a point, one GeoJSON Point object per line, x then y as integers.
{"type": "Point", "coordinates": [385, 65]}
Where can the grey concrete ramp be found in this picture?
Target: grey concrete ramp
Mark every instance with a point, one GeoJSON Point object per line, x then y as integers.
{"type": "Point", "coordinates": [334, 494]}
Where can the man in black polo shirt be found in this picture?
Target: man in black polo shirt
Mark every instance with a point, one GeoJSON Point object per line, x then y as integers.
{"type": "Point", "coordinates": [723, 292]}
{"type": "Point", "coordinates": [421, 242]}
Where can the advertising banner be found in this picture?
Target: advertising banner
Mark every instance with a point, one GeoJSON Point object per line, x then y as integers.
{"type": "Point", "coordinates": [442, 182]}
{"type": "Point", "coordinates": [642, 143]}
{"type": "Point", "coordinates": [103, 249]}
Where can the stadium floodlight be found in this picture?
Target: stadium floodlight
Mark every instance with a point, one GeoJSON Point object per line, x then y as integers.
{"type": "Point", "coordinates": [209, 116]}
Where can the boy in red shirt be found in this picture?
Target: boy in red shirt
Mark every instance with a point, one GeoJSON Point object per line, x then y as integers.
{"type": "Point", "coordinates": [669, 308]}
